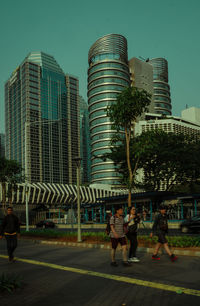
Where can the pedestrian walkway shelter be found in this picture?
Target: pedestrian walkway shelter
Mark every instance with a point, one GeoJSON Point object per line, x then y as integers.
{"type": "Point", "coordinates": [179, 206]}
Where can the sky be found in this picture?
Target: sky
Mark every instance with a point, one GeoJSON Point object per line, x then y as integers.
{"type": "Point", "coordinates": [67, 29]}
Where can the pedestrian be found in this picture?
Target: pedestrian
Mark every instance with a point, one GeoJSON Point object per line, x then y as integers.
{"type": "Point", "coordinates": [10, 228]}
{"type": "Point", "coordinates": [133, 220]}
{"type": "Point", "coordinates": [118, 236]}
{"type": "Point", "coordinates": [160, 228]}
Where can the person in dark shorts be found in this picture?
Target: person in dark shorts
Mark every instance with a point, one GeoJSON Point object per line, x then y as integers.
{"type": "Point", "coordinates": [117, 235]}
{"type": "Point", "coordinates": [10, 228]}
{"type": "Point", "coordinates": [160, 228]}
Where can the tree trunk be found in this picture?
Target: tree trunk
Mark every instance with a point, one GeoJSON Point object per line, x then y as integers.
{"type": "Point", "coordinates": [128, 134]}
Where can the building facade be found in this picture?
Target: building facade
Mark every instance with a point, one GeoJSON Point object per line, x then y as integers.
{"type": "Point", "coordinates": [169, 124]}
{"type": "Point", "coordinates": [42, 121]}
{"type": "Point", "coordinates": [162, 99]}
{"type": "Point", "coordinates": [142, 77]}
{"type": "Point", "coordinates": [108, 75]}
{"type": "Point", "coordinates": [2, 145]}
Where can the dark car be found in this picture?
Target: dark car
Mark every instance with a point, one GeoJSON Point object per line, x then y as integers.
{"type": "Point", "coordinates": [192, 224]}
{"type": "Point", "coordinates": [45, 224]}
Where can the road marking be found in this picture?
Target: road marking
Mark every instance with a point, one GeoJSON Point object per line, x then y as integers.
{"type": "Point", "coordinates": [112, 277]}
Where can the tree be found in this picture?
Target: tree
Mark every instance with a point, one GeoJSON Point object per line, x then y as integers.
{"type": "Point", "coordinates": [130, 104]}
{"type": "Point", "coordinates": [10, 172]}
{"type": "Point", "coordinates": [168, 160]}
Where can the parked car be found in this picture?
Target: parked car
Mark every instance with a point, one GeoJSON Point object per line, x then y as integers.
{"type": "Point", "coordinates": [45, 224]}
{"type": "Point", "coordinates": [192, 224]}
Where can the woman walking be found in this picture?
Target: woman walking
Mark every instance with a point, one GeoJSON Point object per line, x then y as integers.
{"type": "Point", "coordinates": [133, 220]}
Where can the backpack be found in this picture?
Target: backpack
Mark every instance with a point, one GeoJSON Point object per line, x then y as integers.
{"type": "Point", "coordinates": [108, 227]}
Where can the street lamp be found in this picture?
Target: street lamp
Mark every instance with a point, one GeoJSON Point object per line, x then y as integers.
{"type": "Point", "coordinates": [78, 166]}
{"type": "Point", "coordinates": [26, 161]}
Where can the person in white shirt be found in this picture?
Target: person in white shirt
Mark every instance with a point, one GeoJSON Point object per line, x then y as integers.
{"type": "Point", "coordinates": [133, 220]}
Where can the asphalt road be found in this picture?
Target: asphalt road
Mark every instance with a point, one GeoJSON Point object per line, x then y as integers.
{"type": "Point", "coordinates": [58, 276]}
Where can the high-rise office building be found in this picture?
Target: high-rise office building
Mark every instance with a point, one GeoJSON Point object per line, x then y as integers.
{"type": "Point", "coordinates": [108, 75]}
{"type": "Point", "coordinates": [2, 145]}
{"type": "Point", "coordinates": [162, 100]}
{"type": "Point", "coordinates": [142, 77]}
{"type": "Point", "coordinates": [39, 91]}
{"type": "Point", "coordinates": [85, 142]}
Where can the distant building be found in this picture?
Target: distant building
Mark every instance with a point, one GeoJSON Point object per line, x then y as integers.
{"type": "Point", "coordinates": [85, 142]}
{"type": "Point", "coordinates": [2, 145]}
{"type": "Point", "coordinates": [168, 124]}
{"type": "Point", "coordinates": [142, 77]}
{"type": "Point", "coordinates": [191, 114]}
{"type": "Point", "coordinates": [162, 99]}
{"type": "Point", "coordinates": [39, 91]}
{"type": "Point", "coordinates": [108, 75]}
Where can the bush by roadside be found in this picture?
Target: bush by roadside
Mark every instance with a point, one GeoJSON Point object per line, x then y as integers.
{"type": "Point", "coordinates": [174, 241]}
{"type": "Point", "coordinates": [10, 282]}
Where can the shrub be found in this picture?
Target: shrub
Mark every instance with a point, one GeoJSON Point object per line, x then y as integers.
{"type": "Point", "coordinates": [9, 282]}
{"type": "Point", "coordinates": [174, 241]}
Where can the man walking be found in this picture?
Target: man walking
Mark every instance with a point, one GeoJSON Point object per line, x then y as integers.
{"type": "Point", "coordinates": [160, 228]}
{"type": "Point", "coordinates": [10, 228]}
{"type": "Point", "coordinates": [117, 236]}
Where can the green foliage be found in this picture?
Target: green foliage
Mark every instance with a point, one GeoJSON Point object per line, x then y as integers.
{"type": "Point", "coordinates": [166, 159]}
{"type": "Point", "coordinates": [10, 170]}
{"type": "Point", "coordinates": [11, 173]}
{"type": "Point", "coordinates": [10, 282]}
{"type": "Point", "coordinates": [130, 104]}
{"type": "Point", "coordinates": [174, 241]}
{"type": "Point", "coordinates": [49, 233]}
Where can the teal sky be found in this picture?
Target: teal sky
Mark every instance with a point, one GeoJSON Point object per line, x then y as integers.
{"type": "Point", "coordinates": [67, 29]}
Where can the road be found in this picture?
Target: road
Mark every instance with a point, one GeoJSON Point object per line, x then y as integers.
{"type": "Point", "coordinates": [59, 276]}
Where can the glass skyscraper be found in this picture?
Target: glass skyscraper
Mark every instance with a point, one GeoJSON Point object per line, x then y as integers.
{"type": "Point", "coordinates": [162, 100]}
{"type": "Point", "coordinates": [39, 91]}
{"type": "Point", "coordinates": [108, 75]}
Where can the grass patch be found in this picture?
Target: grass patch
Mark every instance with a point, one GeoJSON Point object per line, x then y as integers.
{"type": "Point", "coordinates": [10, 282]}
{"type": "Point", "coordinates": [174, 241]}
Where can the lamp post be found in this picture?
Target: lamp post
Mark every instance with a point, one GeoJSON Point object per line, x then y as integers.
{"type": "Point", "coordinates": [78, 167]}
{"type": "Point", "coordinates": [26, 162]}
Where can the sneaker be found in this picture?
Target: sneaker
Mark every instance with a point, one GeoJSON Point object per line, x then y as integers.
{"type": "Point", "coordinates": [114, 264]}
{"type": "Point", "coordinates": [155, 257]}
{"type": "Point", "coordinates": [173, 258]}
{"type": "Point", "coordinates": [135, 259]}
{"type": "Point", "coordinates": [126, 264]}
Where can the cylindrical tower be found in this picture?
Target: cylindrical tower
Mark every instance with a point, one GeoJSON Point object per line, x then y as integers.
{"type": "Point", "coordinates": [108, 74]}
{"type": "Point", "coordinates": [162, 100]}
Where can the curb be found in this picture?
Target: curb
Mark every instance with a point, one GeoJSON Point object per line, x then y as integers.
{"type": "Point", "coordinates": [108, 247]}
